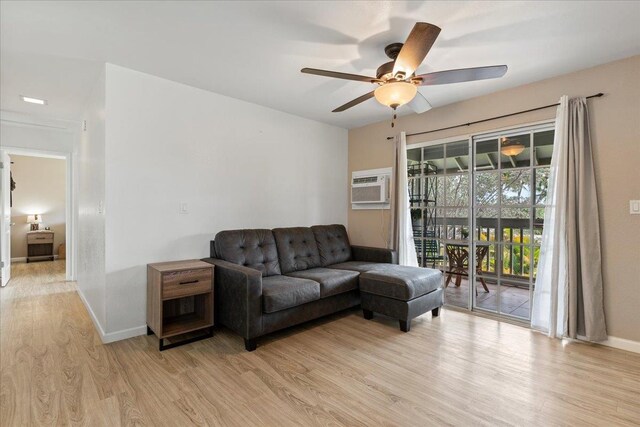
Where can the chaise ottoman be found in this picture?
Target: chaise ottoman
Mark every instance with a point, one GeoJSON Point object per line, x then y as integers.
{"type": "Point", "coordinates": [401, 292]}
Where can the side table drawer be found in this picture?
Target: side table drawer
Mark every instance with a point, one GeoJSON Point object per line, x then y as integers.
{"type": "Point", "coordinates": [177, 284]}
{"type": "Point", "coordinates": [39, 238]}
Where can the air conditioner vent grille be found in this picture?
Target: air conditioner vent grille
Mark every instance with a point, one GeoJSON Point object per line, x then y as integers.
{"type": "Point", "coordinates": [365, 194]}
{"type": "Point", "coordinates": [365, 179]}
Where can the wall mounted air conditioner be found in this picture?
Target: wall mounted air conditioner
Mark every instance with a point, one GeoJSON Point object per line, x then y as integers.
{"type": "Point", "coordinates": [370, 189]}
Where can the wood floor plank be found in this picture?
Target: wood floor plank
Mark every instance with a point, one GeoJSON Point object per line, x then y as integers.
{"type": "Point", "coordinates": [456, 369]}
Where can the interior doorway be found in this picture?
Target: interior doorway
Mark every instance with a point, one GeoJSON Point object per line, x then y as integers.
{"type": "Point", "coordinates": [36, 215]}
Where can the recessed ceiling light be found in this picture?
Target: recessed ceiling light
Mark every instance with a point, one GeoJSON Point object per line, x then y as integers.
{"type": "Point", "coordinates": [33, 100]}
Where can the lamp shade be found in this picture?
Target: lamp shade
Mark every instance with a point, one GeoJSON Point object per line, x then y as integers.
{"type": "Point", "coordinates": [395, 94]}
{"type": "Point", "coordinates": [34, 219]}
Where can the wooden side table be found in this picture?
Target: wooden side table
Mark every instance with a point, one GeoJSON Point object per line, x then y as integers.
{"type": "Point", "coordinates": [40, 246]}
{"type": "Point", "coordinates": [179, 300]}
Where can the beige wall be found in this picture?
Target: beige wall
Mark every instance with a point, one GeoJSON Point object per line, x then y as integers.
{"type": "Point", "coordinates": [615, 126]}
{"type": "Point", "coordinates": [40, 188]}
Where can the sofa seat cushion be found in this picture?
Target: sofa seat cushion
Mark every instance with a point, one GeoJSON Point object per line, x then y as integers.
{"type": "Point", "coordinates": [360, 266]}
{"type": "Point", "coordinates": [250, 248]}
{"type": "Point", "coordinates": [282, 292]}
{"type": "Point", "coordinates": [401, 282]}
{"type": "Point", "coordinates": [333, 243]}
{"type": "Point", "coordinates": [332, 282]}
{"type": "Point", "coordinates": [297, 249]}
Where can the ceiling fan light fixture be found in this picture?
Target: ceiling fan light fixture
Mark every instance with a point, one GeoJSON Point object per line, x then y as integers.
{"type": "Point", "coordinates": [395, 94]}
{"type": "Point", "coordinates": [509, 148]}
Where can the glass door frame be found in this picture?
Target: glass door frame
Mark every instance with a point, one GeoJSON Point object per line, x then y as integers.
{"type": "Point", "coordinates": [471, 223]}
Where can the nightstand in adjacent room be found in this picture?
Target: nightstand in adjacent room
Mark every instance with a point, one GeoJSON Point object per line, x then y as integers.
{"type": "Point", "coordinates": [40, 245]}
{"type": "Point", "coordinates": [179, 300]}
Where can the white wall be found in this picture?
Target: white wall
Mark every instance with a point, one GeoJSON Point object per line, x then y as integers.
{"type": "Point", "coordinates": [23, 131]}
{"type": "Point", "coordinates": [90, 190]}
{"type": "Point", "coordinates": [236, 165]}
{"type": "Point", "coordinates": [40, 189]}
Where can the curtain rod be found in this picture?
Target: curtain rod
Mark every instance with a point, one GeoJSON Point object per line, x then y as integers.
{"type": "Point", "coordinates": [597, 95]}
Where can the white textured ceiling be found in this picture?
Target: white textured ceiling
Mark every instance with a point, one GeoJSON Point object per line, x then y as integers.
{"type": "Point", "coordinates": [254, 50]}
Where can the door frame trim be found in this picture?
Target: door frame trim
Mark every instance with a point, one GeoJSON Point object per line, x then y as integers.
{"type": "Point", "coordinates": [70, 202]}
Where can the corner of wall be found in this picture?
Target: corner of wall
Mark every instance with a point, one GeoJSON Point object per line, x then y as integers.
{"type": "Point", "coordinates": [92, 314]}
{"type": "Point", "coordinates": [89, 168]}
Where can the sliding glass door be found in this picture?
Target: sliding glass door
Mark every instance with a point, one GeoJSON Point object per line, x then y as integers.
{"type": "Point", "coordinates": [477, 206]}
{"type": "Point", "coordinates": [440, 195]}
{"type": "Point", "coordinates": [510, 177]}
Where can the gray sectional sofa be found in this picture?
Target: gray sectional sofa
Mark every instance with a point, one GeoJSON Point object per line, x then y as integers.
{"type": "Point", "coordinates": [267, 280]}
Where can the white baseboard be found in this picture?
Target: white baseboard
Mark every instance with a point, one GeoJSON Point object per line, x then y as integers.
{"type": "Point", "coordinates": [107, 338]}
{"type": "Point", "coordinates": [622, 344]}
{"type": "Point", "coordinates": [124, 334]}
{"type": "Point", "coordinates": [614, 342]}
{"type": "Point", "coordinates": [95, 320]}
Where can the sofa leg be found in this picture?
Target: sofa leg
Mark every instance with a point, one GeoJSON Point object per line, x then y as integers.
{"type": "Point", "coordinates": [250, 344]}
{"type": "Point", "coordinates": [405, 325]}
{"type": "Point", "coordinates": [368, 314]}
{"type": "Point", "coordinates": [435, 312]}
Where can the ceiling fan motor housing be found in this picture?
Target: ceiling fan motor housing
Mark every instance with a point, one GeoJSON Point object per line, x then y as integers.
{"type": "Point", "coordinates": [393, 50]}
{"type": "Point", "coordinates": [385, 71]}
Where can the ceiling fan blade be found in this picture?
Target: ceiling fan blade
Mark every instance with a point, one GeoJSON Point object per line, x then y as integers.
{"type": "Point", "coordinates": [462, 75]}
{"type": "Point", "coordinates": [419, 104]}
{"type": "Point", "coordinates": [415, 49]}
{"type": "Point", "coordinates": [354, 102]}
{"type": "Point", "coordinates": [339, 75]}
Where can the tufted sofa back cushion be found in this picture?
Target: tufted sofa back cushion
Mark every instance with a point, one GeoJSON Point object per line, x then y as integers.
{"type": "Point", "coordinates": [297, 249]}
{"type": "Point", "coordinates": [333, 243]}
{"type": "Point", "coordinates": [251, 248]}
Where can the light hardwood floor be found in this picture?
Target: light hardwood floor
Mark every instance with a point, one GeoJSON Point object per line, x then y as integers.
{"type": "Point", "coordinates": [457, 369]}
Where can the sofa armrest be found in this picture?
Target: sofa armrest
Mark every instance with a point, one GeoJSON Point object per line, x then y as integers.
{"type": "Point", "coordinates": [368, 254]}
{"type": "Point", "coordinates": [238, 297]}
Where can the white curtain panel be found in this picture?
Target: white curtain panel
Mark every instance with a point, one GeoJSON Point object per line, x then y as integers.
{"type": "Point", "coordinates": [401, 227]}
{"type": "Point", "coordinates": [549, 301]}
{"type": "Point", "coordinates": [568, 297]}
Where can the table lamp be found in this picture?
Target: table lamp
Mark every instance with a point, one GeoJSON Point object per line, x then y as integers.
{"type": "Point", "coordinates": [35, 221]}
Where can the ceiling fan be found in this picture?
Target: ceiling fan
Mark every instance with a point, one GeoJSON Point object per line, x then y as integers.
{"type": "Point", "coordinates": [396, 80]}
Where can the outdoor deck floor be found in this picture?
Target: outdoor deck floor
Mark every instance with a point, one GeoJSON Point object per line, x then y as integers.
{"type": "Point", "coordinates": [513, 300]}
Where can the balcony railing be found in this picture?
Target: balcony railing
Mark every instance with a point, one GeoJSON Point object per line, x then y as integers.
{"type": "Point", "coordinates": [519, 252]}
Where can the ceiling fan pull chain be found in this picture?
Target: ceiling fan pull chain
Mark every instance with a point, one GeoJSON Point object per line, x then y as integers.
{"type": "Point", "coordinates": [393, 120]}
